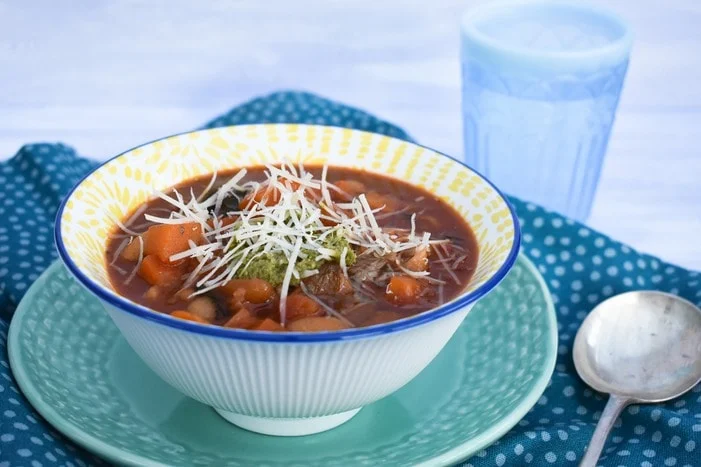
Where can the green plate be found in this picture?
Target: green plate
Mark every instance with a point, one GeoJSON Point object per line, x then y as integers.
{"type": "Point", "coordinates": [80, 374]}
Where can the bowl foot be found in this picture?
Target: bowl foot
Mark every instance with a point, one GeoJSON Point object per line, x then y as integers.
{"type": "Point", "coordinates": [287, 426]}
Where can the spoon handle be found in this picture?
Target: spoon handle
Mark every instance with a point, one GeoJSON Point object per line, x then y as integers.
{"type": "Point", "coordinates": [613, 409]}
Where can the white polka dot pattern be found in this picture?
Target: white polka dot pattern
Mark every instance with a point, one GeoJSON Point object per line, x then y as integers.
{"type": "Point", "coordinates": [32, 184]}
{"type": "Point", "coordinates": [581, 267]}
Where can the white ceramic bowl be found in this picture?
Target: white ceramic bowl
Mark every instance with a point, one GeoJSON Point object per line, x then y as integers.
{"type": "Point", "coordinates": [281, 383]}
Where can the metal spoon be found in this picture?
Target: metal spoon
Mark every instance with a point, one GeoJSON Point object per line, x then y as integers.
{"type": "Point", "coordinates": [639, 347]}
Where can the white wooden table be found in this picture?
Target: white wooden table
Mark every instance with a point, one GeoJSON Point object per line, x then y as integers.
{"type": "Point", "coordinates": [104, 76]}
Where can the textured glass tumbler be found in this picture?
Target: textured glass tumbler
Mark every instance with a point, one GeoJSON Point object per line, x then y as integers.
{"type": "Point", "coordinates": [541, 82]}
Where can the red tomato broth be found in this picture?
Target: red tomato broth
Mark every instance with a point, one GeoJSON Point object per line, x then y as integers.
{"type": "Point", "coordinates": [358, 308]}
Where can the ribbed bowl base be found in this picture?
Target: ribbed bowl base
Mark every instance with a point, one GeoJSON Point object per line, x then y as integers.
{"type": "Point", "coordinates": [287, 426]}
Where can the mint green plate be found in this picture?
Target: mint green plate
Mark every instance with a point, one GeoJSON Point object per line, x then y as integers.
{"type": "Point", "coordinates": [80, 374]}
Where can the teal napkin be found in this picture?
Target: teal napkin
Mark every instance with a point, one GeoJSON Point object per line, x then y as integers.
{"type": "Point", "coordinates": [581, 266]}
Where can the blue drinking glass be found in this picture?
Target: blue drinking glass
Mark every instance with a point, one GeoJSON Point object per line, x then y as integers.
{"type": "Point", "coordinates": [541, 83]}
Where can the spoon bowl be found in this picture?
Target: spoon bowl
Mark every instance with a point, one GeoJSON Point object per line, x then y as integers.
{"type": "Point", "coordinates": [642, 345]}
{"type": "Point", "coordinates": [639, 347]}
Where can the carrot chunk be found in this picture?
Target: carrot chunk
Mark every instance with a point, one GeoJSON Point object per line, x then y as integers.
{"type": "Point", "coordinates": [269, 325]}
{"type": "Point", "coordinates": [186, 315]}
{"type": "Point", "coordinates": [300, 306]}
{"type": "Point", "coordinates": [243, 319]}
{"type": "Point", "coordinates": [403, 290]}
{"type": "Point", "coordinates": [255, 290]}
{"type": "Point", "coordinates": [316, 324]}
{"type": "Point", "coordinates": [165, 240]}
{"type": "Point", "coordinates": [156, 272]}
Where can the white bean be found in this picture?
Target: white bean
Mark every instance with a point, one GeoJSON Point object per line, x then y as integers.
{"type": "Point", "coordinates": [203, 307]}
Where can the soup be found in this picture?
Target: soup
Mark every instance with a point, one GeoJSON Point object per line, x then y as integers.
{"type": "Point", "coordinates": [292, 248]}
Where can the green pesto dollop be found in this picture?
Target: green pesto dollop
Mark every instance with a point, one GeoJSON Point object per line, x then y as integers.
{"type": "Point", "coordinates": [271, 267]}
{"type": "Point", "coordinates": [337, 243]}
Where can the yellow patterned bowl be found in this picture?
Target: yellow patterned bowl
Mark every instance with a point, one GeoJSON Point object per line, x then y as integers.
{"type": "Point", "coordinates": [281, 383]}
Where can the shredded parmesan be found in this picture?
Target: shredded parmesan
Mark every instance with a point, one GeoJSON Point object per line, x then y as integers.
{"type": "Point", "coordinates": [119, 270]}
{"type": "Point", "coordinates": [121, 226]}
{"type": "Point", "coordinates": [342, 261]}
{"type": "Point", "coordinates": [448, 269]}
{"type": "Point", "coordinates": [195, 251]}
{"type": "Point", "coordinates": [298, 226]}
{"type": "Point", "coordinates": [136, 215]}
{"type": "Point", "coordinates": [120, 249]}
{"type": "Point", "coordinates": [208, 187]}
{"type": "Point", "coordinates": [167, 220]}
{"type": "Point", "coordinates": [286, 281]}
{"type": "Point", "coordinates": [226, 188]}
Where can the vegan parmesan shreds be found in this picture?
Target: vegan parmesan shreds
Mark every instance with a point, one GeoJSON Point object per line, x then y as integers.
{"type": "Point", "coordinates": [293, 245]}
{"type": "Point", "coordinates": [295, 218]}
{"type": "Point", "coordinates": [269, 230]}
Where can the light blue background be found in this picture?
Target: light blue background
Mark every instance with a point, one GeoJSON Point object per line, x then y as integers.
{"type": "Point", "coordinates": [104, 76]}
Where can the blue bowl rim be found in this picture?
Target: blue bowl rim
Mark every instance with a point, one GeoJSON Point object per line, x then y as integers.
{"type": "Point", "coordinates": [140, 311]}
